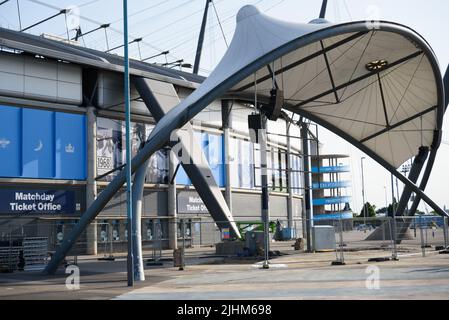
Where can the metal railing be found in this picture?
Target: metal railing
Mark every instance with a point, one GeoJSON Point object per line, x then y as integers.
{"type": "Point", "coordinates": [357, 239]}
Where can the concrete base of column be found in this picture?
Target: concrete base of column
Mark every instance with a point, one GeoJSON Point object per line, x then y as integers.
{"type": "Point", "coordinates": [91, 239]}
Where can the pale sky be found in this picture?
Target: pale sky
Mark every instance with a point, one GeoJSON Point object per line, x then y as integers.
{"type": "Point", "coordinates": [174, 25]}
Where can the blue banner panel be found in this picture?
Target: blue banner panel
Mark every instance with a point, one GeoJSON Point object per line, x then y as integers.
{"type": "Point", "coordinates": [38, 202]}
{"type": "Point", "coordinates": [327, 201]}
{"type": "Point", "coordinates": [71, 158]}
{"type": "Point", "coordinates": [331, 185]}
{"type": "Point", "coordinates": [332, 169]}
{"type": "Point", "coordinates": [10, 142]}
{"type": "Point", "coordinates": [334, 216]}
{"type": "Point", "coordinates": [38, 144]}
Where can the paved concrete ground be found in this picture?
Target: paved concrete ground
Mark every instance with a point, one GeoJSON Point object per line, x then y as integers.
{"type": "Point", "coordinates": [294, 276]}
{"type": "Point", "coordinates": [306, 278]}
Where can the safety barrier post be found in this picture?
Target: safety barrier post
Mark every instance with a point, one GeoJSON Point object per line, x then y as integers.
{"type": "Point", "coordinates": [445, 228]}
{"type": "Point", "coordinates": [421, 232]}
{"type": "Point", "coordinates": [392, 227]}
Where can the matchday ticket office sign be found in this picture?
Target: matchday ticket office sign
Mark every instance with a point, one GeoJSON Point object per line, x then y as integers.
{"type": "Point", "coordinates": [190, 202]}
{"type": "Point", "coordinates": [39, 202]}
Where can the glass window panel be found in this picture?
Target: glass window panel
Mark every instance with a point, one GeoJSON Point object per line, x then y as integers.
{"type": "Point", "coordinates": [283, 171]}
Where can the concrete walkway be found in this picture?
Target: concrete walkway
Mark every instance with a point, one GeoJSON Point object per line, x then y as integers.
{"type": "Point", "coordinates": [410, 278]}
{"type": "Point", "coordinates": [295, 276]}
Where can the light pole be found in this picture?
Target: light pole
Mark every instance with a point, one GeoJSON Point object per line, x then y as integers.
{"type": "Point", "coordinates": [130, 266]}
{"type": "Point", "coordinates": [363, 191]}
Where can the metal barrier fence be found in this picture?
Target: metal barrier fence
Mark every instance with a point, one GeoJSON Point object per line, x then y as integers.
{"type": "Point", "coordinates": [35, 240]}
{"type": "Point", "coordinates": [382, 238]}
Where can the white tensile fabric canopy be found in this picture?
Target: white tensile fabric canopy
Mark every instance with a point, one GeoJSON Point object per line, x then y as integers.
{"type": "Point", "coordinates": [377, 85]}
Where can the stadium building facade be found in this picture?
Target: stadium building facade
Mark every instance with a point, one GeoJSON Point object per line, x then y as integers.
{"type": "Point", "coordinates": [62, 141]}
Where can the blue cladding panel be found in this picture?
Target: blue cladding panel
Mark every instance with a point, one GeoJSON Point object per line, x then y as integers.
{"type": "Point", "coordinates": [214, 154]}
{"type": "Point", "coordinates": [70, 130]}
{"type": "Point", "coordinates": [38, 144]}
{"type": "Point", "coordinates": [10, 142]}
{"type": "Point", "coordinates": [182, 178]}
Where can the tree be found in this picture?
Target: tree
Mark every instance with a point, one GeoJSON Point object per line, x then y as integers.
{"type": "Point", "coordinates": [392, 208]}
{"type": "Point", "coordinates": [382, 210]}
{"type": "Point", "coordinates": [369, 209]}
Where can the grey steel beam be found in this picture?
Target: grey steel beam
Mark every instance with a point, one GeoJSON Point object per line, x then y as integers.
{"type": "Point", "coordinates": [197, 167]}
{"type": "Point", "coordinates": [360, 78]}
{"type": "Point", "coordinates": [446, 86]}
{"type": "Point", "coordinates": [398, 124]}
{"type": "Point", "coordinates": [63, 11]}
{"type": "Point", "coordinates": [199, 50]}
{"type": "Point", "coordinates": [304, 60]}
{"type": "Point", "coordinates": [329, 71]}
{"type": "Point", "coordinates": [387, 122]}
{"type": "Point", "coordinates": [323, 9]}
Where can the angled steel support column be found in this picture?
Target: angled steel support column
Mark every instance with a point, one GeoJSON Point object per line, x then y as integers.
{"type": "Point", "coordinates": [433, 153]}
{"type": "Point", "coordinates": [415, 171]}
{"type": "Point", "coordinates": [323, 9]}
{"type": "Point", "coordinates": [197, 167]}
{"type": "Point", "coordinates": [375, 157]}
{"type": "Point", "coordinates": [153, 144]}
{"type": "Point", "coordinates": [136, 227]}
{"type": "Point", "coordinates": [426, 176]}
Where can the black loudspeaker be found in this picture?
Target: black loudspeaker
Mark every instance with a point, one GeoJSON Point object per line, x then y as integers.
{"type": "Point", "coordinates": [255, 123]}
{"type": "Point", "coordinates": [274, 108]}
